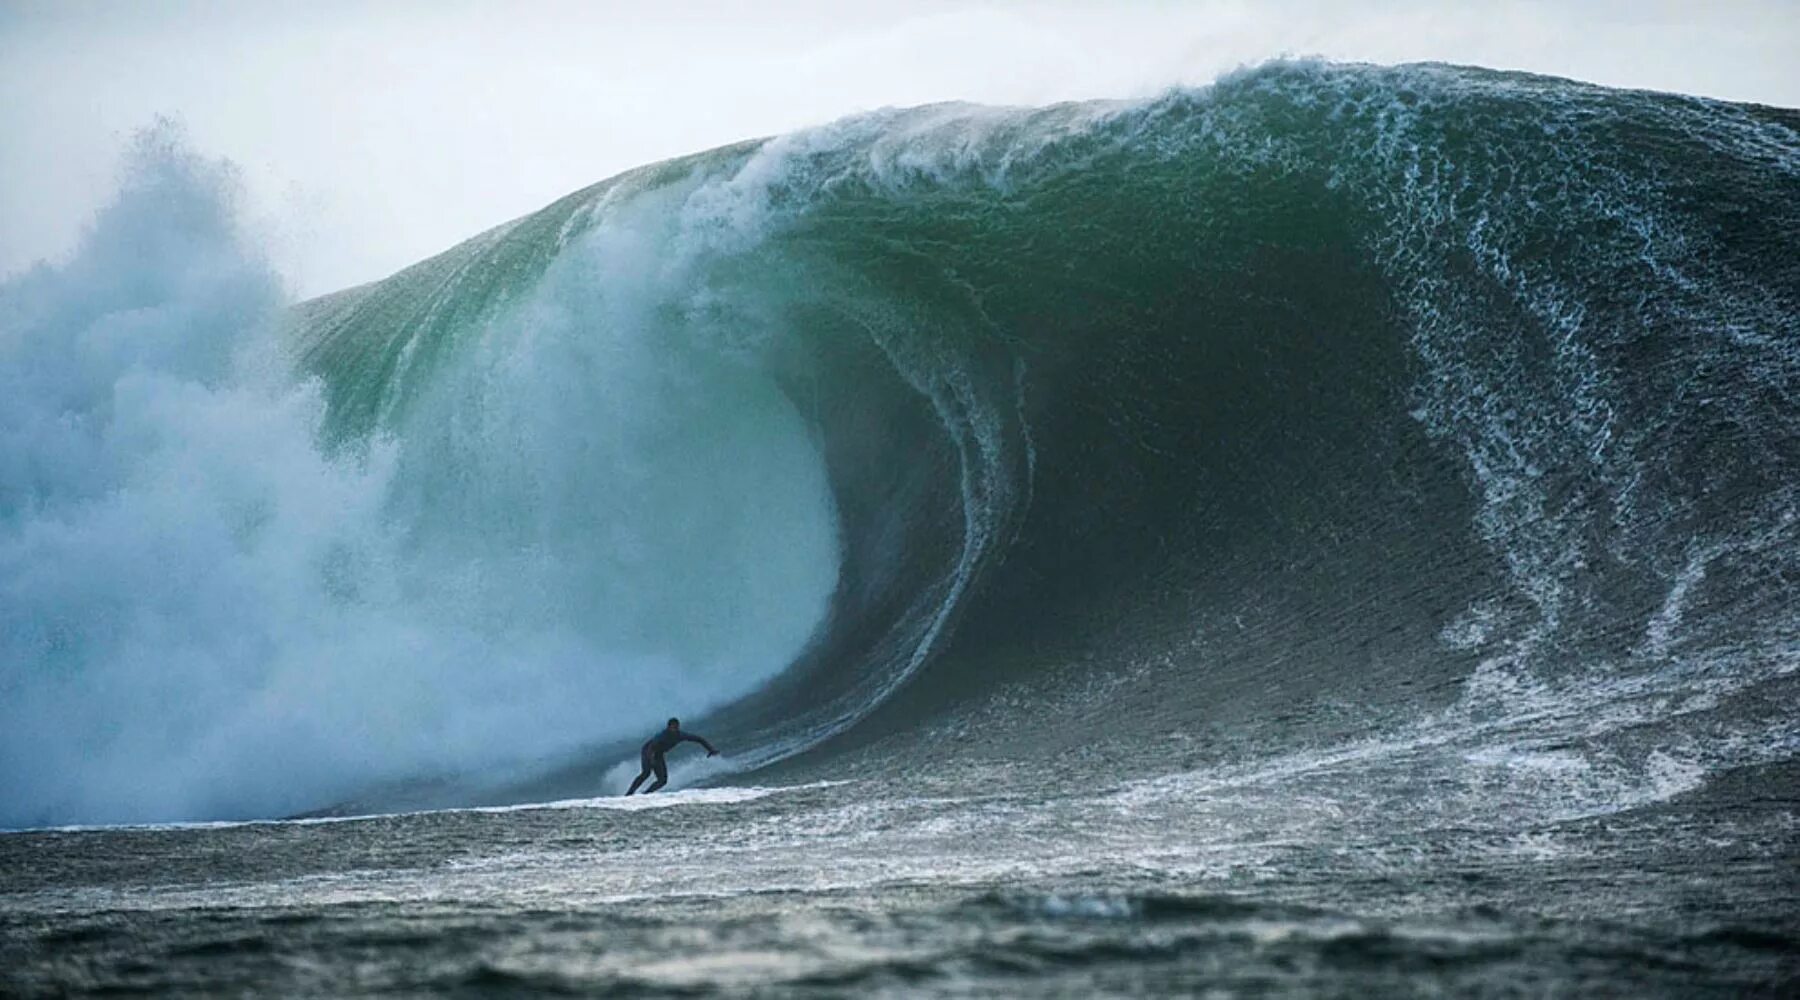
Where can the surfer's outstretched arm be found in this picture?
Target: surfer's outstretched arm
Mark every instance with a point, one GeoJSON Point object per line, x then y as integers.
{"type": "Point", "coordinates": [711, 751]}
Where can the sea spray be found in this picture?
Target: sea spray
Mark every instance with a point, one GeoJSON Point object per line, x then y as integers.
{"type": "Point", "coordinates": [212, 609]}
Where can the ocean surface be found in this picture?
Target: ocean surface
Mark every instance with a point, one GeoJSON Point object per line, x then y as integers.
{"type": "Point", "coordinates": [1332, 532]}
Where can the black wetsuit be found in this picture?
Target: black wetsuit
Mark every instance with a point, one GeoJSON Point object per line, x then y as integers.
{"type": "Point", "coordinates": [652, 757]}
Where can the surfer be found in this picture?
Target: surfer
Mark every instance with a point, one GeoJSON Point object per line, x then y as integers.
{"type": "Point", "coordinates": [656, 746]}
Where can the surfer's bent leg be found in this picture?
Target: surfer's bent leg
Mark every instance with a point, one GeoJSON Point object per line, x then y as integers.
{"type": "Point", "coordinates": [662, 774]}
{"type": "Point", "coordinates": [649, 765]}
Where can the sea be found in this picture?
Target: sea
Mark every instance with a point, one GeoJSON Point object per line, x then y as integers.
{"type": "Point", "coordinates": [1331, 532]}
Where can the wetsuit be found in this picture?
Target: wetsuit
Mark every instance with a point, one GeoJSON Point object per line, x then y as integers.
{"type": "Point", "coordinates": [652, 757]}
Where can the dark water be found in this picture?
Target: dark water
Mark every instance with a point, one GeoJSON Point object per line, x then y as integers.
{"type": "Point", "coordinates": [909, 887]}
{"type": "Point", "coordinates": [1333, 532]}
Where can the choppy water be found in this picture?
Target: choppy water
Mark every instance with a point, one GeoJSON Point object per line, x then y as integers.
{"type": "Point", "coordinates": [1228, 884]}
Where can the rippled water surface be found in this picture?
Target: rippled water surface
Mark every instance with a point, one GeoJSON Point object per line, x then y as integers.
{"type": "Point", "coordinates": [1184, 884]}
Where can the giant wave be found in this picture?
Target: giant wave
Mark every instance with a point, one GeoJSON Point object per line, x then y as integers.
{"type": "Point", "coordinates": [1321, 395]}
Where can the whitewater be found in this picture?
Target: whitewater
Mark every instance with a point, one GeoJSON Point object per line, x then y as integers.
{"type": "Point", "coordinates": [1335, 530]}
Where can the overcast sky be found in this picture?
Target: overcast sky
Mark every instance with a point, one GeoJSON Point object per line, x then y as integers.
{"type": "Point", "coordinates": [371, 135]}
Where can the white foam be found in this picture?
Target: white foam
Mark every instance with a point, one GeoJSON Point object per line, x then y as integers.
{"type": "Point", "coordinates": [203, 612]}
{"type": "Point", "coordinates": [727, 795]}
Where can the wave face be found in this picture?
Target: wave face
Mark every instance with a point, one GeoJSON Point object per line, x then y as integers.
{"type": "Point", "coordinates": [1321, 386]}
